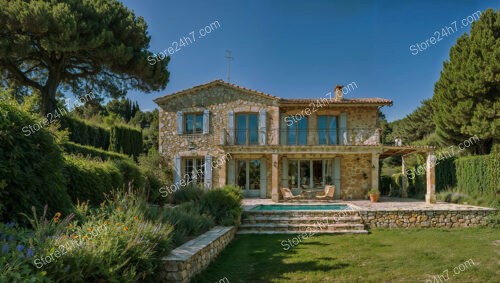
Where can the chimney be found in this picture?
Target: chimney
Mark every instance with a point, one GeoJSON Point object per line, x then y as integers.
{"type": "Point", "coordinates": [339, 95]}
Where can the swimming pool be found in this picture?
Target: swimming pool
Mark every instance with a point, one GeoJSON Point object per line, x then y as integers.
{"type": "Point", "coordinates": [267, 207]}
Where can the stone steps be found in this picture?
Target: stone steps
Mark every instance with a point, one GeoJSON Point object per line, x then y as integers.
{"type": "Point", "coordinates": [297, 222]}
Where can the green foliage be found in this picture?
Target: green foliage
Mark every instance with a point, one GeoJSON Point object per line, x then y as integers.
{"type": "Point", "coordinates": [16, 255]}
{"type": "Point", "coordinates": [116, 242]}
{"type": "Point", "coordinates": [85, 133]}
{"type": "Point", "coordinates": [415, 126]}
{"type": "Point", "coordinates": [123, 108]}
{"type": "Point", "coordinates": [89, 151]}
{"type": "Point", "coordinates": [99, 44]}
{"type": "Point", "coordinates": [126, 140]}
{"type": "Point", "coordinates": [224, 205]}
{"type": "Point", "coordinates": [479, 174]}
{"type": "Point", "coordinates": [157, 174]}
{"type": "Point", "coordinates": [190, 192]}
{"type": "Point", "coordinates": [90, 180]}
{"type": "Point", "coordinates": [467, 95]}
{"type": "Point", "coordinates": [446, 176]}
{"type": "Point", "coordinates": [131, 172]}
{"type": "Point", "coordinates": [31, 171]}
{"type": "Point", "coordinates": [188, 221]}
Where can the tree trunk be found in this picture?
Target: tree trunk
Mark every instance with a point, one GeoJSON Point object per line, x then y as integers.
{"type": "Point", "coordinates": [49, 102]}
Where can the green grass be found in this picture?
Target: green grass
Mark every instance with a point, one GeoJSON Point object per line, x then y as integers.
{"type": "Point", "coordinates": [397, 255]}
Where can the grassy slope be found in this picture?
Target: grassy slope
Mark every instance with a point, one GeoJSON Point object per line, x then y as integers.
{"type": "Point", "coordinates": [382, 256]}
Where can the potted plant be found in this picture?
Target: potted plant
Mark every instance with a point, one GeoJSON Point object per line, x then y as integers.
{"type": "Point", "coordinates": [374, 195]}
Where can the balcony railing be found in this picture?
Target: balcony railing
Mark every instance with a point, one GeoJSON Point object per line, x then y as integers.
{"type": "Point", "coordinates": [341, 137]}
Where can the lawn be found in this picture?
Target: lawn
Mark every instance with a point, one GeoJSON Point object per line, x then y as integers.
{"type": "Point", "coordinates": [457, 255]}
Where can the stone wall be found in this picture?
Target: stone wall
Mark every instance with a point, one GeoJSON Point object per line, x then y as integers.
{"type": "Point", "coordinates": [194, 256]}
{"type": "Point", "coordinates": [355, 172]}
{"type": "Point", "coordinates": [426, 218]}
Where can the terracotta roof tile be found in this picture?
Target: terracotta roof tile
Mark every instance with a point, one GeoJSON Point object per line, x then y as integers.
{"type": "Point", "coordinates": [375, 100]}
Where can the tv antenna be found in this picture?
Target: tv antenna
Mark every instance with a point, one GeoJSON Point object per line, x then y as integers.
{"type": "Point", "coordinates": [229, 59]}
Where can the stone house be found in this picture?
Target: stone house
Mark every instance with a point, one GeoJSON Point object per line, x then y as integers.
{"type": "Point", "coordinates": [221, 133]}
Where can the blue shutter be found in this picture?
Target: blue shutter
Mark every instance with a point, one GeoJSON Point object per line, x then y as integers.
{"type": "Point", "coordinates": [282, 133]}
{"type": "Point", "coordinates": [262, 127]}
{"type": "Point", "coordinates": [180, 123]}
{"type": "Point", "coordinates": [344, 139]}
{"type": "Point", "coordinates": [263, 178]}
{"type": "Point", "coordinates": [177, 169]}
{"type": "Point", "coordinates": [230, 127]}
{"type": "Point", "coordinates": [336, 173]}
{"type": "Point", "coordinates": [230, 172]}
{"type": "Point", "coordinates": [206, 123]}
{"type": "Point", "coordinates": [208, 172]}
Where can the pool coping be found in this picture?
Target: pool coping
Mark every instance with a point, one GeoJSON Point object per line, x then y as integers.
{"type": "Point", "coordinates": [249, 208]}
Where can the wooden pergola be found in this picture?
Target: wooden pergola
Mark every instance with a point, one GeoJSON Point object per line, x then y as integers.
{"type": "Point", "coordinates": [403, 151]}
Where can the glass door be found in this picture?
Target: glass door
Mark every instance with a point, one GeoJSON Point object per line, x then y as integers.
{"type": "Point", "coordinates": [248, 177]}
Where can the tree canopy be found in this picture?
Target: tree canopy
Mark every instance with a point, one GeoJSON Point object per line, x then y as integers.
{"type": "Point", "coordinates": [78, 45]}
{"type": "Point", "coordinates": [466, 98]}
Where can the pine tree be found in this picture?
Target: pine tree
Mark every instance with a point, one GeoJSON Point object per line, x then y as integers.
{"type": "Point", "coordinates": [466, 98]}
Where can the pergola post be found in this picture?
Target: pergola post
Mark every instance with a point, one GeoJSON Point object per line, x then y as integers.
{"type": "Point", "coordinates": [430, 197]}
{"type": "Point", "coordinates": [375, 166]}
{"type": "Point", "coordinates": [404, 179]}
{"type": "Point", "coordinates": [274, 178]}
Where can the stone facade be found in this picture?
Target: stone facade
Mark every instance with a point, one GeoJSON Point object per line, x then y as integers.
{"type": "Point", "coordinates": [426, 218]}
{"type": "Point", "coordinates": [191, 258]}
{"type": "Point", "coordinates": [358, 154]}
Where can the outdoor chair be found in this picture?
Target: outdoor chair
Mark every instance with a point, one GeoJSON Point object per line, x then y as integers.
{"type": "Point", "coordinates": [328, 193]}
{"type": "Point", "coordinates": [287, 194]}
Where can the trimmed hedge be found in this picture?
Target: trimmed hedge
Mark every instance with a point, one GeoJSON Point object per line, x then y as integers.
{"type": "Point", "coordinates": [479, 175]}
{"type": "Point", "coordinates": [85, 150]}
{"type": "Point", "coordinates": [90, 180]}
{"type": "Point", "coordinates": [120, 139]}
{"type": "Point", "coordinates": [86, 134]}
{"type": "Point", "coordinates": [31, 171]}
{"type": "Point", "coordinates": [446, 176]}
{"type": "Point", "coordinates": [126, 140]}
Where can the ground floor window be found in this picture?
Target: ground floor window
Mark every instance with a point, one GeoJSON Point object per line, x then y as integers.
{"type": "Point", "coordinates": [248, 174]}
{"type": "Point", "coordinates": [193, 170]}
{"type": "Point", "coordinates": [306, 174]}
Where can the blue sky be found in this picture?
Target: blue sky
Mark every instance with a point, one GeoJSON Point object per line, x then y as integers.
{"type": "Point", "coordinates": [304, 48]}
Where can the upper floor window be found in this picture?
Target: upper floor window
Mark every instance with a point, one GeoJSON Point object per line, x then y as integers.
{"type": "Point", "coordinates": [327, 130]}
{"type": "Point", "coordinates": [193, 123]}
{"type": "Point", "coordinates": [296, 133]}
{"type": "Point", "coordinates": [247, 128]}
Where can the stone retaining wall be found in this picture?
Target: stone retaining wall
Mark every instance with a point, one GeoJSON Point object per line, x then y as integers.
{"type": "Point", "coordinates": [425, 218]}
{"type": "Point", "coordinates": [194, 256]}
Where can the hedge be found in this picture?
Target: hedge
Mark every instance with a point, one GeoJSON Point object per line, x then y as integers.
{"type": "Point", "coordinates": [90, 180]}
{"type": "Point", "coordinates": [86, 134]}
{"type": "Point", "coordinates": [31, 171]}
{"type": "Point", "coordinates": [479, 175]}
{"type": "Point", "coordinates": [446, 176]}
{"type": "Point", "coordinates": [120, 139]}
{"type": "Point", "coordinates": [126, 140]}
{"type": "Point", "coordinates": [86, 151]}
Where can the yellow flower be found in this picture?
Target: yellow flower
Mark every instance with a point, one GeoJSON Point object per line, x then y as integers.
{"type": "Point", "coordinates": [90, 229]}
{"type": "Point", "coordinates": [70, 225]}
{"type": "Point", "coordinates": [56, 219]}
{"type": "Point", "coordinates": [75, 237]}
{"type": "Point", "coordinates": [125, 228]}
{"type": "Point", "coordinates": [106, 222]}
{"type": "Point", "coordinates": [117, 224]}
{"type": "Point", "coordinates": [136, 218]}
{"type": "Point", "coordinates": [119, 208]}
{"type": "Point", "coordinates": [86, 237]}
{"type": "Point", "coordinates": [58, 214]}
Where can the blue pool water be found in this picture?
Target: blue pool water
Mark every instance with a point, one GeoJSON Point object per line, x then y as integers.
{"type": "Point", "coordinates": [302, 207]}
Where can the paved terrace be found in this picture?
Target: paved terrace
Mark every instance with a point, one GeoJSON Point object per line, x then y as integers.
{"type": "Point", "coordinates": [384, 204]}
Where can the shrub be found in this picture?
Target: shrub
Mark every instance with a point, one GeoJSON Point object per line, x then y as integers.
{"type": "Point", "coordinates": [188, 221]}
{"type": "Point", "coordinates": [86, 134]}
{"type": "Point", "coordinates": [85, 150]}
{"type": "Point", "coordinates": [224, 204]}
{"type": "Point", "coordinates": [131, 172]}
{"type": "Point", "coordinates": [190, 192]}
{"type": "Point", "coordinates": [479, 174]}
{"type": "Point", "coordinates": [157, 174]}
{"type": "Point", "coordinates": [126, 140]}
{"type": "Point", "coordinates": [31, 167]}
